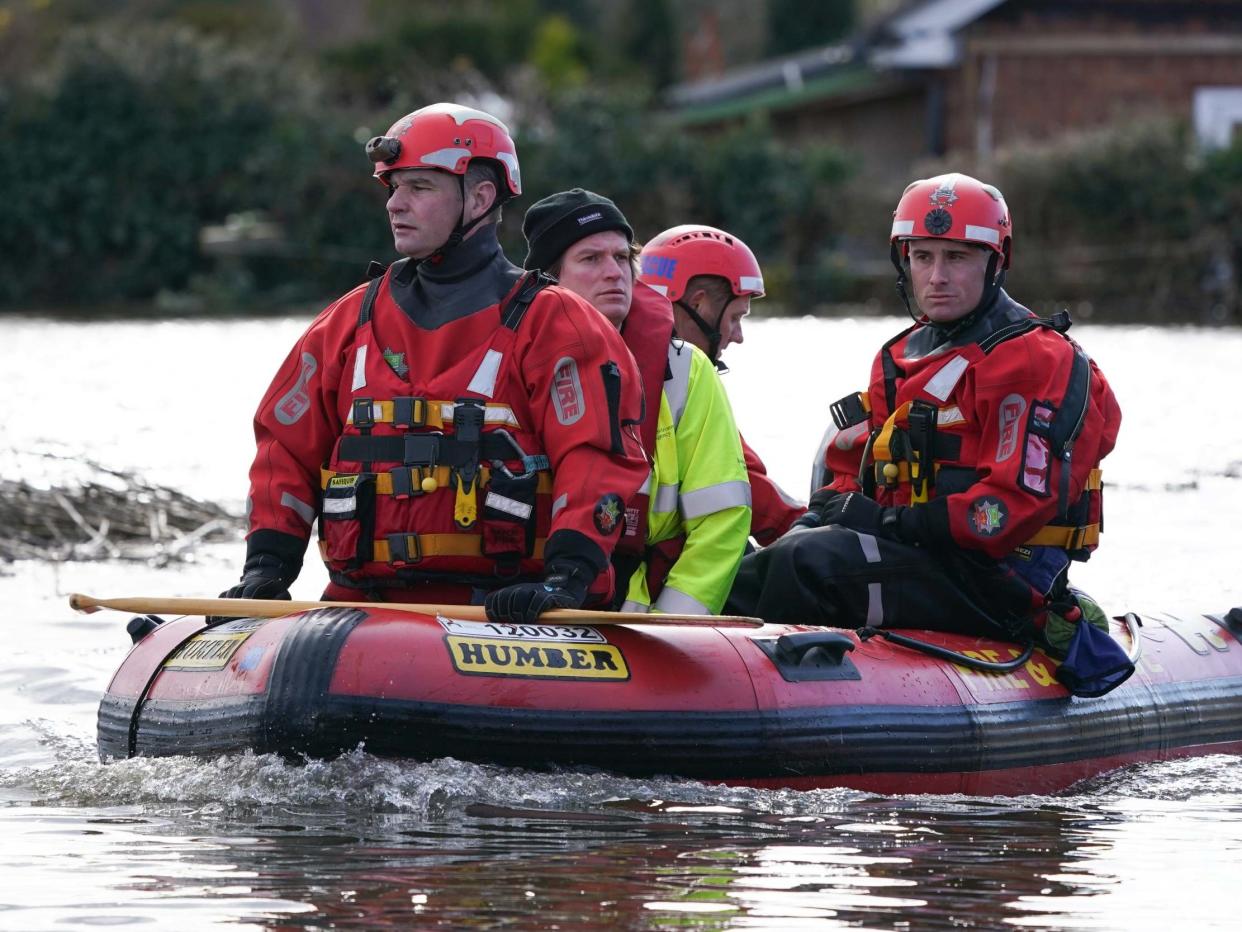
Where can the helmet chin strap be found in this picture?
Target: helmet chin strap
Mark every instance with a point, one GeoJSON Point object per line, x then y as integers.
{"type": "Point", "coordinates": [462, 228]}
{"type": "Point", "coordinates": [712, 333]}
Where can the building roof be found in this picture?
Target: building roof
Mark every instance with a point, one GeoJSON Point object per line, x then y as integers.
{"type": "Point", "coordinates": [924, 35]}
{"type": "Point", "coordinates": [921, 35]}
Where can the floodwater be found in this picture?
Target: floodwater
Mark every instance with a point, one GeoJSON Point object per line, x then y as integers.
{"type": "Point", "coordinates": [253, 842]}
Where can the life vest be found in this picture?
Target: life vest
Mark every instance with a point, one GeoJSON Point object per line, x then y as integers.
{"type": "Point", "coordinates": [647, 332]}
{"type": "Point", "coordinates": [923, 449]}
{"type": "Point", "coordinates": [448, 485]}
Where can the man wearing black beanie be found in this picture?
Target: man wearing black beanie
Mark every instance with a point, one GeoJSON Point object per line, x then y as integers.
{"type": "Point", "coordinates": [697, 515]}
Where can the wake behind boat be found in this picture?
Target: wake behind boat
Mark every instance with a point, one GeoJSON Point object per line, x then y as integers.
{"type": "Point", "coordinates": [778, 706]}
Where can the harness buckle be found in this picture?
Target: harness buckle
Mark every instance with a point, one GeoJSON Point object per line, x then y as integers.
{"type": "Point", "coordinates": [850, 410]}
{"type": "Point", "coordinates": [363, 413]}
{"type": "Point", "coordinates": [404, 549]}
{"type": "Point", "coordinates": [409, 412]}
{"type": "Point", "coordinates": [407, 481]}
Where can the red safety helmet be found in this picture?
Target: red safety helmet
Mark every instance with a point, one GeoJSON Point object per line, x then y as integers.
{"type": "Point", "coordinates": [446, 136]}
{"type": "Point", "coordinates": [670, 260]}
{"type": "Point", "coordinates": [955, 207]}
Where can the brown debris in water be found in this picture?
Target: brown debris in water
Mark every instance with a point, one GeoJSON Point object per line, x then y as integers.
{"type": "Point", "coordinates": [101, 514]}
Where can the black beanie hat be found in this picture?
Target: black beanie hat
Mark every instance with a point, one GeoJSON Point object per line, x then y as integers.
{"type": "Point", "coordinates": [558, 221]}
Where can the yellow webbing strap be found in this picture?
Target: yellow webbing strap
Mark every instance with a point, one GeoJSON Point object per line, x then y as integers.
{"type": "Point", "coordinates": [881, 449]}
{"type": "Point", "coordinates": [1071, 538]}
{"type": "Point", "coordinates": [383, 481]}
{"type": "Point", "coordinates": [908, 470]}
{"type": "Point", "coordinates": [438, 414]}
{"type": "Point", "coordinates": [438, 545]}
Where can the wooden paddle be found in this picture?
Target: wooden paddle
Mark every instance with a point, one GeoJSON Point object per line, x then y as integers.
{"type": "Point", "coordinates": [276, 608]}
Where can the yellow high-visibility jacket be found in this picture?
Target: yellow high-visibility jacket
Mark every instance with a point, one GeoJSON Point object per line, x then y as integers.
{"type": "Point", "coordinates": [698, 488]}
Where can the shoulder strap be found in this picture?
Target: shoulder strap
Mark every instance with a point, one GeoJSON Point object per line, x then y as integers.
{"type": "Point", "coordinates": [890, 368]}
{"type": "Point", "coordinates": [521, 298]}
{"type": "Point", "coordinates": [1059, 322]}
{"type": "Point", "coordinates": [368, 299]}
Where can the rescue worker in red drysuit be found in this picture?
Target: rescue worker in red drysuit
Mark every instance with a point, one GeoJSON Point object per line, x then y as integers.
{"type": "Point", "coordinates": [711, 276]}
{"type": "Point", "coordinates": [965, 480]}
{"type": "Point", "coordinates": [462, 431]}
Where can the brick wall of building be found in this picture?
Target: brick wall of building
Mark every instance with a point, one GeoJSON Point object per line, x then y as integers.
{"type": "Point", "coordinates": [1024, 78]}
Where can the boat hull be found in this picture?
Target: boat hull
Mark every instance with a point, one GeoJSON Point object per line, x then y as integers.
{"type": "Point", "coordinates": [758, 707]}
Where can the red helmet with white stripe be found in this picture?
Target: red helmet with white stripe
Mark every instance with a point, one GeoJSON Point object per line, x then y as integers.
{"type": "Point", "coordinates": [674, 257]}
{"type": "Point", "coordinates": [954, 207]}
{"type": "Point", "coordinates": [446, 136]}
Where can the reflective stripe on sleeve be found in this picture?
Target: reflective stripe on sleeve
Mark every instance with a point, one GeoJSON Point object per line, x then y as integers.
{"type": "Point", "coordinates": [303, 510]}
{"type": "Point", "coordinates": [710, 499]}
{"type": "Point", "coordinates": [678, 603]}
{"type": "Point", "coordinates": [629, 605]}
{"type": "Point", "coordinates": [665, 499]}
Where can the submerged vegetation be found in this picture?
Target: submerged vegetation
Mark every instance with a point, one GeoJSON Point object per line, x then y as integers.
{"type": "Point", "coordinates": [80, 510]}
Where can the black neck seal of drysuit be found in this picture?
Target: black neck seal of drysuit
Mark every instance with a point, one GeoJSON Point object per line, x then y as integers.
{"type": "Point", "coordinates": [472, 276]}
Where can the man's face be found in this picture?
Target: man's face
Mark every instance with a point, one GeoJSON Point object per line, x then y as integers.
{"type": "Point", "coordinates": [731, 321]}
{"type": "Point", "coordinates": [598, 268]}
{"type": "Point", "coordinates": [947, 277]}
{"type": "Point", "coordinates": [424, 206]}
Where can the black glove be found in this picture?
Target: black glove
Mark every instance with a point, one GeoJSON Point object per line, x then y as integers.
{"type": "Point", "coordinates": [819, 501]}
{"type": "Point", "coordinates": [259, 583]}
{"type": "Point", "coordinates": [272, 564]}
{"type": "Point", "coordinates": [924, 525]}
{"type": "Point", "coordinates": [565, 585]}
{"type": "Point", "coordinates": [860, 513]}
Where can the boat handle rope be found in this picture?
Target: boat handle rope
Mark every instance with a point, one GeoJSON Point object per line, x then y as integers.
{"type": "Point", "coordinates": [1130, 620]}
{"type": "Point", "coordinates": [944, 653]}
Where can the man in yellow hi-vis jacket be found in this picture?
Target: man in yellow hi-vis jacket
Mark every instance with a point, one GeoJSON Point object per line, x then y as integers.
{"type": "Point", "coordinates": [698, 499]}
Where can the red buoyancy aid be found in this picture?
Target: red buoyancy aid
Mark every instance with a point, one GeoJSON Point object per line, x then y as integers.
{"type": "Point", "coordinates": [647, 330]}
{"type": "Point", "coordinates": [1007, 432]}
{"type": "Point", "coordinates": [773, 511]}
{"type": "Point", "coordinates": [451, 454]}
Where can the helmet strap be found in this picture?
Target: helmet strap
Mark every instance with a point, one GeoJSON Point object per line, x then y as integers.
{"type": "Point", "coordinates": [711, 332]}
{"type": "Point", "coordinates": [899, 263]}
{"type": "Point", "coordinates": [463, 227]}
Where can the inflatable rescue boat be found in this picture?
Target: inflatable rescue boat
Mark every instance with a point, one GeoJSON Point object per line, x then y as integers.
{"type": "Point", "coordinates": [772, 706]}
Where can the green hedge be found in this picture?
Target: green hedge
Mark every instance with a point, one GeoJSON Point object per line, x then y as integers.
{"type": "Point", "coordinates": [116, 156]}
{"type": "Point", "coordinates": [113, 160]}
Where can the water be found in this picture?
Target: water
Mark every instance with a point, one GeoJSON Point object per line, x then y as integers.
{"type": "Point", "coordinates": [253, 842]}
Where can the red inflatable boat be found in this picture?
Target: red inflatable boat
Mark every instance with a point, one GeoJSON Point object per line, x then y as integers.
{"type": "Point", "coordinates": [777, 706]}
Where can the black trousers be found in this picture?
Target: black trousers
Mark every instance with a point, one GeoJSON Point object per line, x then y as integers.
{"type": "Point", "coordinates": [837, 576]}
